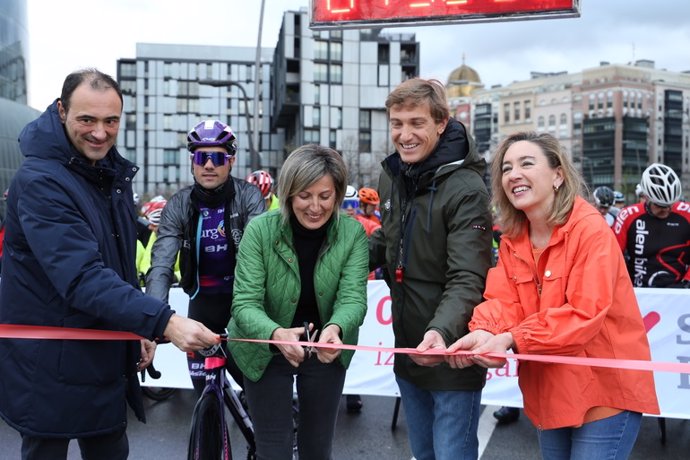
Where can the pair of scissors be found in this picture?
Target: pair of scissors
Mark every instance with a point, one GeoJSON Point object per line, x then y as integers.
{"type": "Point", "coordinates": [311, 337]}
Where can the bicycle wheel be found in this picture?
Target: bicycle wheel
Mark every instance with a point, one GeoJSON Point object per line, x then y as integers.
{"type": "Point", "coordinates": [209, 438]}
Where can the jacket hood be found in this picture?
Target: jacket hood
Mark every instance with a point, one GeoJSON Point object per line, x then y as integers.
{"type": "Point", "coordinates": [45, 137]}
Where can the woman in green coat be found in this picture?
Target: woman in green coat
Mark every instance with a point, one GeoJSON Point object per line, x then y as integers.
{"type": "Point", "coordinates": [305, 265]}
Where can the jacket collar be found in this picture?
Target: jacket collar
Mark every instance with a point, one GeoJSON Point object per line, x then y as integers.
{"type": "Point", "coordinates": [581, 209]}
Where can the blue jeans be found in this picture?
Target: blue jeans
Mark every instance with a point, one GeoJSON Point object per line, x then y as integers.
{"type": "Point", "coordinates": [441, 425]}
{"type": "Point", "coordinates": [611, 438]}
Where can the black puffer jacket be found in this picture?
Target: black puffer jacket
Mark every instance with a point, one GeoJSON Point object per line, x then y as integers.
{"type": "Point", "coordinates": [69, 262]}
{"type": "Point", "coordinates": [436, 226]}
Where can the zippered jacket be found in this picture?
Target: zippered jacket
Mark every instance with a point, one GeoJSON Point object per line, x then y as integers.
{"type": "Point", "coordinates": [267, 286]}
{"type": "Point", "coordinates": [579, 301]}
{"type": "Point", "coordinates": [436, 230]}
{"type": "Point", "coordinates": [178, 232]}
{"type": "Point", "coordinates": [69, 262]}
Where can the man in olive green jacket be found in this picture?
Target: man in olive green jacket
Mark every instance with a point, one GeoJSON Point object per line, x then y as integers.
{"type": "Point", "coordinates": [435, 243]}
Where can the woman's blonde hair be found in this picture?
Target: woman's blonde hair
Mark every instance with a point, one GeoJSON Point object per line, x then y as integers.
{"type": "Point", "coordinates": [511, 219]}
{"type": "Point", "coordinates": [305, 166]}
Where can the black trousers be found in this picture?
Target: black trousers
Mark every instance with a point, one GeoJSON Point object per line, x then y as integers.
{"type": "Point", "coordinates": [112, 446]}
{"type": "Point", "coordinates": [319, 387]}
{"type": "Point", "coordinates": [213, 311]}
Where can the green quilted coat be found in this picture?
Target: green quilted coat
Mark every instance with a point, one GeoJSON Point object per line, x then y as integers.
{"type": "Point", "coordinates": [267, 286]}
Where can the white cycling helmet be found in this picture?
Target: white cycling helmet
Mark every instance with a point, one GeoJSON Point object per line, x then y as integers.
{"type": "Point", "coordinates": [351, 199]}
{"type": "Point", "coordinates": [660, 185]}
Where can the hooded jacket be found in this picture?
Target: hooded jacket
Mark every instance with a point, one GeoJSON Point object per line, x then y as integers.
{"type": "Point", "coordinates": [179, 228]}
{"type": "Point", "coordinates": [436, 228]}
{"type": "Point", "coordinates": [69, 262]}
{"type": "Point", "coordinates": [586, 308]}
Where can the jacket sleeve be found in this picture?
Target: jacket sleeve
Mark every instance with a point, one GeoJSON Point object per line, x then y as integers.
{"type": "Point", "coordinates": [249, 290]}
{"type": "Point", "coordinates": [165, 249]}
{"type": "Point", "coordinates": [254, 203]}
{"type": "Point", "coordinates": [351, 299]}
{"type": "Point", "coordinates": [67, 250]}
{"type": "Point", "coordinates": [468, 259]}
{"type": "Point", "coordinates": [596, 274]}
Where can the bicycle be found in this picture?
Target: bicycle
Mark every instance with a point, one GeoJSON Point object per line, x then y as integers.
{"type": "Point", "coordinates": [209, 437]}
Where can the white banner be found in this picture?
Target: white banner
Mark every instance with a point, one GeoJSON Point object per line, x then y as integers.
{"type": "Point", "coordinates": [666, 313]}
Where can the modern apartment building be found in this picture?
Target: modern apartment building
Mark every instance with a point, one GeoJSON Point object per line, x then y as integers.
{"type": "Point", "coordinates": [614, 119]}
{"type": "Point", "coordinates": [168, 88]}
{"type": "Point", "coordinates": [330, 86]}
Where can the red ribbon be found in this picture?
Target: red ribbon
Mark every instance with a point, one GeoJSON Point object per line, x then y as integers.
{"type": "Point", "coordinates": [16, 331]}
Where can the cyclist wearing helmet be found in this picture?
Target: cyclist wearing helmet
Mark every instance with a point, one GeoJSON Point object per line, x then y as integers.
{"type": "Point", "coordinates": [263, 180]}
{"type": "Point", "coordinates": [618, 201]}
{"type": "Point", "coordinates": [656, 234]}
{"type": "Point", "coordinates": [603, 201]}
{"type": "Point", "coordinates": [204, 223]}
{"type": "Point", "coordinates": [351, 206]}
{"type": "Point", "coordinates": [369, 204]}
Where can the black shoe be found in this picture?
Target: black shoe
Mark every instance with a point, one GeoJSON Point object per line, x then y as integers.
{"type": "Point", "coordinates": [353, 404]}
{"type": "Point", "coordinates": [506, 415]}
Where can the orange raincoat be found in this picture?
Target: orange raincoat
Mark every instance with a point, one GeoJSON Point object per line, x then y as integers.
{"type": "Point", "coordinates": [579, 301]}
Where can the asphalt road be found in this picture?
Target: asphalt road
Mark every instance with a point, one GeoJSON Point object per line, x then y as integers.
{"type": "Point", "coordinates": [365, 436]}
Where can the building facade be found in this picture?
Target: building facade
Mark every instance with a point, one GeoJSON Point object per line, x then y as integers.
{"type": "Point", "coordinates": [329, 87]}
{"type": "Point", "coordinates": [14, 113]}
{"type": "Point", "coordinates": [613, 119]}
{"type": "Point", "coordinates": [168, 89]}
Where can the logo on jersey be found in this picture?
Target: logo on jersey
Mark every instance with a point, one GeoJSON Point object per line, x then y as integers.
{"type": "Point", "coordinates": [641, 234]}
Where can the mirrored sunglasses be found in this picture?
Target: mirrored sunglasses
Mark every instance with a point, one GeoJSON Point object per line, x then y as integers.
{"type": "Point", "coordinates": [218, 158]}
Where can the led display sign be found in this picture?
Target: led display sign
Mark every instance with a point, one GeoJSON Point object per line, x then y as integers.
{"type": "Point", "coordinates": [387, 13]}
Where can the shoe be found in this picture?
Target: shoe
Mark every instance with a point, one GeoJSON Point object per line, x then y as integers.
{"type": "Point", "coordinates": [353, 404]}
{"type": "Point", "coordinates": [506, 415]}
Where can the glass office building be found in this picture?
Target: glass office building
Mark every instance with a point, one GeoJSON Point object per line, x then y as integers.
{"type": "Point", "coordinates": [14, 113]}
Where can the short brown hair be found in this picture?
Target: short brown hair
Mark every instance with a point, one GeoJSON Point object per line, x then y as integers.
{"type": "Point", "coordinates": [417, 91]}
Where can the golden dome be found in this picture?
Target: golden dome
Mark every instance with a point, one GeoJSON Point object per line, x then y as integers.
{"type": "Point", "coordinates": [463, 81]}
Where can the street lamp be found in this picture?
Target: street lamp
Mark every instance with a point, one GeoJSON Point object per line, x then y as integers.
{"type": "Point", "coordinates": [253, 154]}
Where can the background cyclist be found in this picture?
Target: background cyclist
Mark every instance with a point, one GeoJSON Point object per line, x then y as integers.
{"type": "Point", "coordinates": [264, 181]}
{"type": "Point", "coordinates": [205, 223]}
{"type": "Point", "coordinates": [656, 234]}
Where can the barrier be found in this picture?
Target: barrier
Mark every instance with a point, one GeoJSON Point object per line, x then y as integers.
{"type": "Point", "coordinates": [666, 315]}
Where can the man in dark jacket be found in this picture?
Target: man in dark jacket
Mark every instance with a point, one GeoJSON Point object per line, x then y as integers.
{"type": "Point", "coordinates": [69, 262]}
{"type": "Point", "coordinates": [205, 223]}
{"type": "Point", "coordinates": [435, 242]}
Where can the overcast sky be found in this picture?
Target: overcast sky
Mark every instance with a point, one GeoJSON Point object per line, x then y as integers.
{"type": "Point", "coordinates": [66, 35]}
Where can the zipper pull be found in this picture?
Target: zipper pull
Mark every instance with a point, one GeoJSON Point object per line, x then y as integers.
{"type": "Point", "coordinates": [399, 274]}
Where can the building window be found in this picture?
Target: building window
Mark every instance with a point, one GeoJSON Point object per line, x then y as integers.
{"type": "Point", "coordinates": [332, 139]}
{"type": "Point", "coordinates": [365, 119]}
{"type": "Point", "coordinates": [506, 113]}
{"type": "Point", "coordinates": [528, 111]}
{"type": "Point", "coordinates": [540, 122]}
{"type": "Point", "coordinates": [317, 94]}
{"type": "Point", "coordinates": [320, 72]}
{"type": "Point", "coordinates": [171, 157]}
{"type": "Point", "coordinates": [316, 116]}
{"type": "Point", "coordinates": [336, 52]}
{"type": "Point", "coordinates": [564, 119]}
{"type": "Point", "coordinates": [336, 73]}
{"type": "Point", "coordinates": [516, 111]}
{"type": "Point", "coordinates": [552, 122]}
{"type": "Point", "coordinates": [364, 141]}
{"type": "Point", "coordinates": [320, 50]}
{"type": "Point", "coordinates": [311, 136]}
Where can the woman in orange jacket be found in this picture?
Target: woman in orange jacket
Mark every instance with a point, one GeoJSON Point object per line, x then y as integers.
{"type": "Point", "coordinates": [561, 288]}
